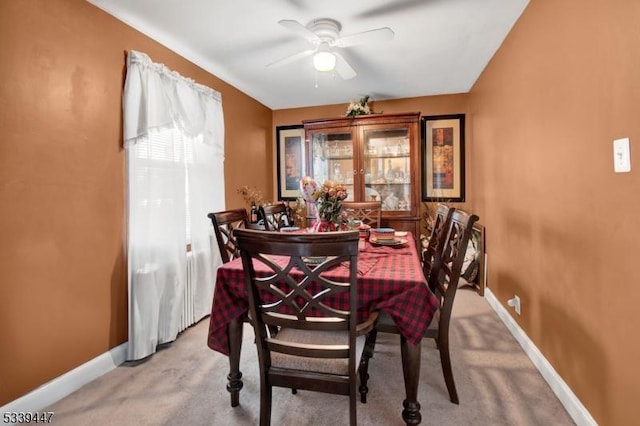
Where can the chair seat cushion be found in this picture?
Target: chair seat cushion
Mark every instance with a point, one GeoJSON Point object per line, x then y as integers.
{"type": "Point", "coordinates": [321, 365]}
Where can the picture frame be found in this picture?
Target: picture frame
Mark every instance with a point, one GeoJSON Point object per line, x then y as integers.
{"type": "Point", "coordinates": [290, 160]}
{"type": "Point", "coordinates": [442, 158]}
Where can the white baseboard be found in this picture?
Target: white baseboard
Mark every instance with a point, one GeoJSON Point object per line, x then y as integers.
{"type": "Point", "coordinates": [69, 382]}
{"type": "Point", "coordinates": [571, 403]}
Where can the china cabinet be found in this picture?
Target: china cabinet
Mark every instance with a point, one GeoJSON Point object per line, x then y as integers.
{"type": "Point", "coordinates": [376, 157]}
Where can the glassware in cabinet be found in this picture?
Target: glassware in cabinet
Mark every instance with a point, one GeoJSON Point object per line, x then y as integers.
{"type": "Point", "coordinates": [387, 160]}
{"type": "Point", "coordinates": [332, 159]}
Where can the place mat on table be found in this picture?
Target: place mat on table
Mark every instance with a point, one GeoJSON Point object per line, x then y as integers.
{"type": "Point", "coordinates": [382, 249]}
{"type": "Point", "coordinates": [372, 256]}
{"type": "Point", "coordinates": [364, 265]}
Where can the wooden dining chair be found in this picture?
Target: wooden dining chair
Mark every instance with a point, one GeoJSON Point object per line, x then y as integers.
{"type": "Point", "coordinates": [224, 225]}
{"type": "Point", "coordinates": [315, 348]}
{"type": "Point", "coordinates": [435, 246]}
{"type": "Point", "coordinates": [274, 216]}
{"type": "Point", "coordinates": [369, 212]}
{"type": "Point", "coordinates": [443, 278]}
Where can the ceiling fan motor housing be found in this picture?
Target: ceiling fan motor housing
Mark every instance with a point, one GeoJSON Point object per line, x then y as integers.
{"type": "Point", "coordinates": [326, 29]}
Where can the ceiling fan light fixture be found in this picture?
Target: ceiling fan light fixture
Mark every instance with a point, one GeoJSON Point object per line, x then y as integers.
{"type": "Point", "coordinates": [324, 61]}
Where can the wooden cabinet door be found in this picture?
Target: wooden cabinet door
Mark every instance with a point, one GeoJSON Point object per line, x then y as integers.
{"type": "Point", "coordinates": [387, 165]}
{"type": "Point", "coordinates": [332, 157]}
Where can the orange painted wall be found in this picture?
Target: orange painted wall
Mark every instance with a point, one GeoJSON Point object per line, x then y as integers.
{"type": "Point", "coordinates": [62, 182]}
{"type": "Point", "coordinates": [561, 226]}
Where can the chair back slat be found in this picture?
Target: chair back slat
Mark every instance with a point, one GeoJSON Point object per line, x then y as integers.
{"type": "Point", "coordinates": [447, 267]}
{"type": "Point", "coordinates": [436, 243]}
{"type": "Point", "coordinates": [275, 216]}
{"type": "Point", "coordinates": [224, 225]}
{"type": "Point", "coordinates": [288, 283]}
{"type": "Point", "coordinates": [368, 212]}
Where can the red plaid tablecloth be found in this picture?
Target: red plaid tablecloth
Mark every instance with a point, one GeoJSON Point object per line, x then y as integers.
{"type": "Point", "coordinates": [389, 279]}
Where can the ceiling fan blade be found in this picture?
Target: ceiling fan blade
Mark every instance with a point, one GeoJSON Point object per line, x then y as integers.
{"type": "Point", "coordinates": [371, 36]}
{"type": "Point", "coordinates": [299, 29]}
{"type": "Point", "coordinates": [395, 7]}
{"type": "Point", "coordinates": [343, 68]}
{"type": "Point", "coordinates": [292, 58]}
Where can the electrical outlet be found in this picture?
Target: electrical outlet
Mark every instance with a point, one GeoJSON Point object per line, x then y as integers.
{"type": "Point", "coordinates": [515, 303]}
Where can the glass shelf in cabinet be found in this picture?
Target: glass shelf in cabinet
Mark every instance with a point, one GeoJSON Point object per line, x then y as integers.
{"type": "Point", "coordinates": [404, 155]}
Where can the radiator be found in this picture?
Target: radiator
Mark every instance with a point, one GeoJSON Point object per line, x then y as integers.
{"type": "Point", "coordinates": [153, 316]}
{"type": "Point", "coordinates": [188, 308]}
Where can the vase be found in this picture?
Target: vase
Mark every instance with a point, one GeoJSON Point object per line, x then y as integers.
{"type": "Point", "coordinates": [325, 225]}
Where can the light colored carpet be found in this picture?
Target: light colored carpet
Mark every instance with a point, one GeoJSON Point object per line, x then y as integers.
{"type": "Point", "coordinates": [185, 384]}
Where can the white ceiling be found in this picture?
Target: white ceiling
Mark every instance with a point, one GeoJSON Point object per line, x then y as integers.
{"type": "Point", "coordinates": [439, 47]}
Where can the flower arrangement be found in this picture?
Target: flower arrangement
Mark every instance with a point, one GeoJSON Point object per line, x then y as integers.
{"type": "Point", "coordinates": [328, 197]}
{"type": "Point", "coordinates": [252, 196]}
{"type": "Point", "coordinates": [359, 108]}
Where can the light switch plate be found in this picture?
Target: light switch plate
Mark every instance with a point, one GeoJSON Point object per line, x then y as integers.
{"type": "Point", "coordinates": [621, 155]}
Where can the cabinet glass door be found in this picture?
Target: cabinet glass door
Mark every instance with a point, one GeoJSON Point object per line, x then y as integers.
{"type": "Point", "coordinates": [387, 167]}
{"type": "Point", "coordinates": [332, 159]}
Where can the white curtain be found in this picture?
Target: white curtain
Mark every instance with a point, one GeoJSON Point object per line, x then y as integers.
{"type": "Point", "coordinates": [174, 142]}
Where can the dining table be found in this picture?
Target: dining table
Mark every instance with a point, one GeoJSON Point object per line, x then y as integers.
{"type": "Point", "coordinates": [390, 279]}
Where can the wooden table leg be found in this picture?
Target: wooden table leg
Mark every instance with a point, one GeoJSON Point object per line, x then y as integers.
{"type": "Point", "coordinates": [235, 346]}
{"type": "Point", "coordinates": [411, 371]}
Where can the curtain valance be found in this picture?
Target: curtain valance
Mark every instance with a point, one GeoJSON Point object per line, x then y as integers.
{"type": "Point", "coordinates": [156, 97]}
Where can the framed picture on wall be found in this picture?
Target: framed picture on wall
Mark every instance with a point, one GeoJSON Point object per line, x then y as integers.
{"type": "Point", "coordinates": [443, 158]}
{"type": "Point", "coordinates": [290, 164]}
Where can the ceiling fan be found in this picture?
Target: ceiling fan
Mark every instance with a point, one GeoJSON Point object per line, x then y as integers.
{"type": "Point", "coordinates": [324, 35]}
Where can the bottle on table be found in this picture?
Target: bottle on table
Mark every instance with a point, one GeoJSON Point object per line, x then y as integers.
{"type": "Point", "coordinates": [254, 214]}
